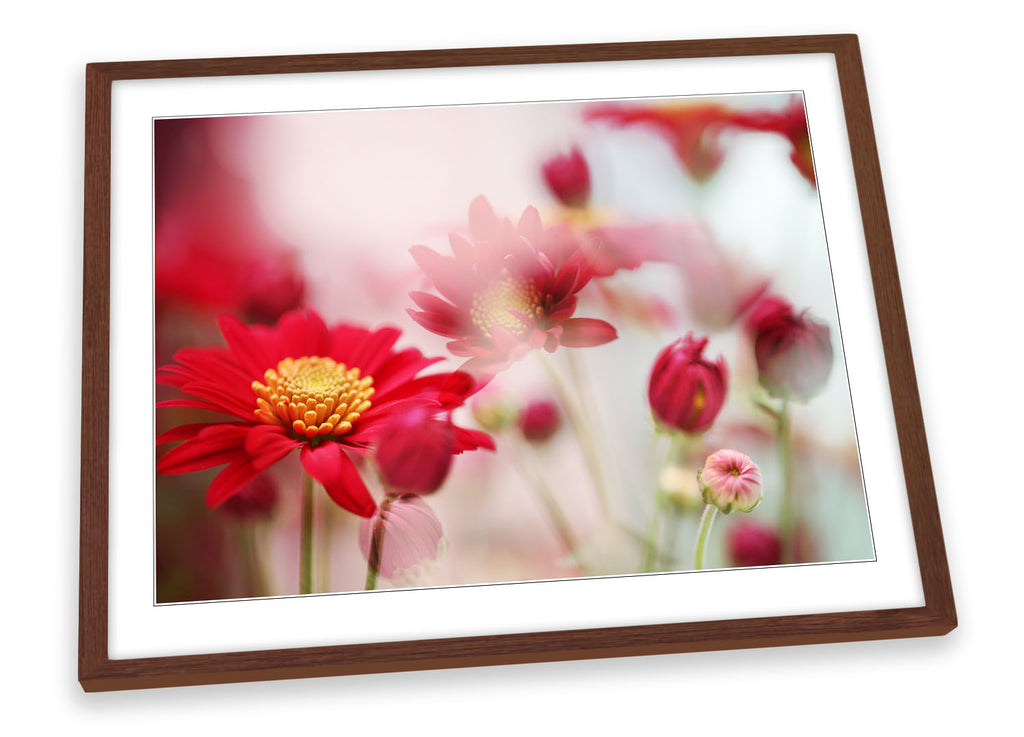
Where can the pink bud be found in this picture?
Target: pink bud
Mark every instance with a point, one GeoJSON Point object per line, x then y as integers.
{"type": "Point", "coordinates": [568, 178]}
{"type": "Point", "coordinates": [794, 351]}
{"type": "Point", "coordinates": [686, 391]}
{"type": "Point", "coordinates": [414, 452]}
{"type": "Point", "coordinates": [753, 544]}
{"type": "Point", "coordinates": [410, 533]}
{"type": "Point", "coordinates": [730, 481]}
{"type": "Point", "coordinates": [540, 420]}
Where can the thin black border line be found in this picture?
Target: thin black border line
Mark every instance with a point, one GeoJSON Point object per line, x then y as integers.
{"type": "Point", "coordinates": [821, 217]}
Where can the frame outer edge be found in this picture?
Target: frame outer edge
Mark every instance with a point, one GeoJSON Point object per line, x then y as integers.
{"type": "Point", "coordinates": [93, 523]}
{"type": "Point", "coordinates": [98, 673]}
{"type": "Point", "coordinates": [906, 401]}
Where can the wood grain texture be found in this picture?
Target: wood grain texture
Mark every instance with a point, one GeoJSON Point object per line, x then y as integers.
{"type": "Point", "coordinates": [97, 672]}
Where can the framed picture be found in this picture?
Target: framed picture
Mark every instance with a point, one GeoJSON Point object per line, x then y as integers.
{"type": "Point", "coordinates": [448, 358]}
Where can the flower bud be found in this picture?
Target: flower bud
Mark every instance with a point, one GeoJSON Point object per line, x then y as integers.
{"type": "Point", "coordinates": [752, 544]}
{"type": "Point", "coordinates": [794, 351]}
{"type": "Point", "coordinates": [540, 420]}
{"type": "Point", "coordinates": [414, 452]}
{"type": "Point", "coordinates": [568, 178]}
{"type": "Point", "coordinates": [687, 391]}
{"type": "Point", "coordinates": [492, 413]}
{"type": "Point", "coordinates": [678, 486]}
{"type": "Point", "coordinates": [273, 286]}
{"type": "Point", "coordinates": [410, 533]}
{"type": "Point", "coordinates": [730, 481]}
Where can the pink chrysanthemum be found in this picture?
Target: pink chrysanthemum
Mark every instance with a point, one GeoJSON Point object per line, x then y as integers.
{"type": "Point", "coordinates": [509, 290]}
{"type": "Point", "coordinates": [300, 385]}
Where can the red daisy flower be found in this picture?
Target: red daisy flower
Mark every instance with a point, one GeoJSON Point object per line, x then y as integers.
{"type": "Point", "coordinates": [510, 290]}
{"type": "Point", "coordinates": [301, 385]}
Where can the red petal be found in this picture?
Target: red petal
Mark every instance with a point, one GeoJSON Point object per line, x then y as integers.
{"type": "Point", "coordinates": [229, 482]}
{"type": "Point", "coordinates": [581, 332]}
{"type": "Point", "coordinates": [214, 446]}
{"type": "Point", "coordinates": [267, 444]}
{"type": "Point", "coordinates": [457, 389]}
{"type": "Point", "coordinates": [467, 347]}
{"type": "Point", "coordinates": [437, 323]}
{"type": "Point", "coordinates": [530, 226]}
{"type": "Point", "coordinates": [504, 339]}
{"type": "Point", "coordinates": [221, 396]}
{"type": "Point", "coordinates": [373, 350]}
{"type": "Point", "coordinates": [450, 277]}
{"type": "Point", "coordinates": [254, 355]}
{"type": "Point", "coordinates": [190, 403]}
{"type": "Point", "coordinates": [186, 432]}
{"type": "Point", "coordinates": [466, 439]}
{"type": "Point", "coordinates": [332, 467]}
{"type": "Point", "coordinates": [400, 368]}
{"type": "Point", "coordinates": [302, 334]}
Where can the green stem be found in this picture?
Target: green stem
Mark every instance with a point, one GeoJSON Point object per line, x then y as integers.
{"type": "Point", "coordinates": [373, 559]}
{"type": "Point", "coordinates": [651, 534]}
{"type": "Point", "coordinates": [706, 520]}
{"type": "Point", "coordinates": [674, 523]}
{"type": "Point", "coordinates": [306, 539]}
{"type": "Point", "coordinates": [323, 542]}
{"type": "Point", "coordinates": [543, 491]}
{"type": "Point", "coordinates": [591, 454]}
{"type": "Point", "coordinates": [249, 560]}
{"type": "Point", "coordinates": [787, 515]}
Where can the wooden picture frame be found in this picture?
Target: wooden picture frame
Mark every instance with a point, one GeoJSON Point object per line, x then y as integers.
{"type": "Point", "coordinates": [99, 672]}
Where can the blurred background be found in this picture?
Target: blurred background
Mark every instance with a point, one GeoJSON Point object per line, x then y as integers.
{"type": "Point", "coordinates": [257, 215]}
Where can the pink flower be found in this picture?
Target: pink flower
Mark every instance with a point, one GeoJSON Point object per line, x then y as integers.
{"type": "Point", "coordinates": [686, 391]}
{"type": "Point", "coordinates": [730, 481]}
{"type": "Point", "coordinates": [568, 178]}
{"type": "Point", "coordinates": [540, 420]}
{"type": "Point", "coordinates": [695, 129]}
{"type": "Point", "coordinates": [410, 533]}
{"type": "Point", "coordinates": [790, 123]}
{"type": "Point", "coordinates": [752, 544]}
{"type": "Point", "coordinates": [510, 290]}
{"type": "Point", "coordinates": [794, 351]}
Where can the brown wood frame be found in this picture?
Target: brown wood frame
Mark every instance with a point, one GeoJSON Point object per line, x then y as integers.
{"type": "Point", "coordinates": [97, 672]}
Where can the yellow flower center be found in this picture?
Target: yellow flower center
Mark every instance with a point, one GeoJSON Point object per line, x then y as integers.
{"type": "Point", "coordinates": [491, 305]}
{"type": "Point", "coordinates": [313, 396]}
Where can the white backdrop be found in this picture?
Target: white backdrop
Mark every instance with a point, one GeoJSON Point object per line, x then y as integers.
{"type": "Point", "coordinates": [947, 127]}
